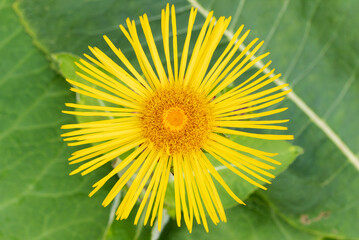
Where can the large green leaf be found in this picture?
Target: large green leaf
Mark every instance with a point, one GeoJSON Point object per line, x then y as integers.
{"type": "Point", "coordinates": [254, 221]}
{"type": "Point", "coordinates": [69, 26]}
{"type": "Point", "coordinates": [38, 200]}
{"type": "Point", "coordinates": [314, 44]}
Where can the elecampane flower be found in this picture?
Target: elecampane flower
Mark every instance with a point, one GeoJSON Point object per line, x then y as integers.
{"type": "Point", "coordinates": [171, 115]}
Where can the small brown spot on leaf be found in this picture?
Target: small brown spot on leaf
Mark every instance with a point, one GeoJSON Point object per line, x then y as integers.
{"type": "Point", "coordinates": [306, 220]}
{"type": "Point", "coordinates": [321, 216]}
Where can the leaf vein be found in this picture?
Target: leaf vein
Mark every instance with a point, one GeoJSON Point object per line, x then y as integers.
{"type": "Point", "coordinates": [10, 37]}
{"type": "Point", "coordinates": [302, 44]}
{"type": "Point", "coordinates": [12, 70]}
{"type": "Point", "coordinates": [275, 25]}
{"type": "Point", "coordinates": [342, 93]}
{"type": "Point", "coordinates": [237, 14]}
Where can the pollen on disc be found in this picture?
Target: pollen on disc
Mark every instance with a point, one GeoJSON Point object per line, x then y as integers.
{"type": "Point", "coordinates": [176, 120]}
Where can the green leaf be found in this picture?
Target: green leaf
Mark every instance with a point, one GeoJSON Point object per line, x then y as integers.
{"type": "Point", "coordinates": [254, 221]}
{"type": "Point", "coordinates": [38, 198]}
{"type": "Point", "coordinates": [76, 25]}
{"type": "Point", "coordinates": [314, 45]}
{"type": "Point", "coordinates": [64, 63]}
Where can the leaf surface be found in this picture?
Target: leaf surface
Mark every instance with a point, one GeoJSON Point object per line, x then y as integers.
{"type": "Point", "coordinates": [312, 44]}
{"type": "Point", "coordinates": [38, 200]}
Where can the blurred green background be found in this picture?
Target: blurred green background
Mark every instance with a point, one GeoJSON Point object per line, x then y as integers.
{"type": "Point", "coordinates": [313, 43]}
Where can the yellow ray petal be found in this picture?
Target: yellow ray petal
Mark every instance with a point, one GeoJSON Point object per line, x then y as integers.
{"type": "Point", "coordinates": [234, 145]}
{"type": "Point", "coordinates": [198, 199]}
{"type": "Point", "coordinates": [248, 107]}
{"type": "Point", "coordinates": [244, 98]}
{"type": "Point", "coordinates": [219, 179]}
{"type": "Point", "coordinates": [105, 135]}
{"type": "Point", "coordinates": [238, 124]}
{"type": "Point", "coordinates": [242, 157]}
{"type": "Point", "coordinates": [104, 114]}
{"type": "Point", "coordinates": [217, 79]}
{"type": "Point", "coordinates": [96, 73]}
{"type": "Point", "coordinates": [165, 182]}
{"type": "Point", "coordinates": [211, 189]}
{"type": "Point", "coordinates": [99, 123]}
{"type": "Point", "coordinates": [183, 191]}
{"type": "Point", "coordinates": [98, 162]}
{"type": "Point", "coordinates": [125, 178]}
{"type": "Point", "coordinates": [94, 93]}
{"type": "Point", "coordinates": [137, 185]}
{"type": "Point", "coordinates": [197, 47]}
{"type": "Point", "coordinates": [240, 94]}
{"type": "Point", "coordinates": [140, 54]}
{"type": "Point", "coordinates": [99, 108]}
{"type": "Point", "coordinates": [212, 77]}
{"type": "Point", "coordinates": [161, 192]}
{"type": "Point", "coordinates": [244, 102]}
{"type": "Point", "coordinates": [101, 139]}
{"type": "Point", "coordinates": [97, 149]}
{"type": "Point", "coordinates": [149, 191]}
{"type": "Point", "coordinates": [262, 122]}
{"type": "Point", "coordinates": [242, 175]}
{"type": "Point", "coordinates": [187, 170]}
{"type": "Point", "coordinates": [239, 70]}
{"type": "Point", "coordinates": [116, 89]}
{"type": "Point", "coordinates": [257, 115]}
{"type": "Point", "coordinates": [255, 135]}
{"type": "Point", "coordinates": [174, 39]}
{"type": "Point", "coordinates": [204, 191]}
{"type": "Point", "coordinates": [192, 17]}
{"type": "Point", "coordinates": [240, 160]}
{"type": "Point", "coordinates": [177, 190]}
{"type": "Point", "coordinates": [239, 88]}
{"type": "Point", "coordinates": [91, 60]}
{"type": "Point", "coordinates": [111, 156]}
{"type": "Point", "coordinates": [230, 110]}
{"type": "Point", "coordinates": [119, 72]}
{"type": "Point", "coordinates": [208, 48]}
{"type": "Point", "coordinates": [112, 127]}
{"type": "Point", "coordinates": [165, 24]}
{"type": "Point", "coordinates": [161, 184]}
{"type": "Point", "coordinates": [155, 189]}
{"type": "Point", "coordinates": [153, 49]}
{"type": "Point", "coordinates": [118, 168]}
{"type": "Point", "coordinates": [217, 67]}
{"type": "Point", "coordinates": [129, 66]}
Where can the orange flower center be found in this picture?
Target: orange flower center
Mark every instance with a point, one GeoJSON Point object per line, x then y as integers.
{"type": "Point", "coordinates": [176, 120]}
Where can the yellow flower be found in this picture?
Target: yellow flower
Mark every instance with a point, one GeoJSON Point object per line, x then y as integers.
{"type": "Point", "coordinates": [170, 115]}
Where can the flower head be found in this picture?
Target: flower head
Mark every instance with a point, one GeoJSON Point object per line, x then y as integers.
{"type": "Point", "coordinates": [168, 116]}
